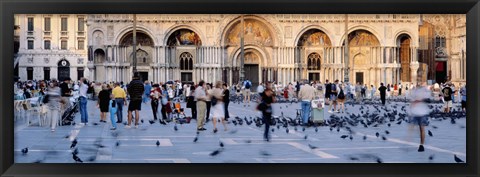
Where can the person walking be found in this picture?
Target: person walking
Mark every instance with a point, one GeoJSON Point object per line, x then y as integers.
{"type": "Point", "coordinates": [333, 96]}
{"type": "Point", "coordinates": [191, 103]}
{"type": "Point", "coordinates": [120, 99]}
{"type": "Point", "coordinates": [364, 91]}
{"type": "Point", "coordinates": [112, 107]}
{"type": "Point", "coordinates": [400, 89]}
{"type": "Point", "coordinates": [218, 107]}
{"type": "Point", "coordinates": [341, 99]}
{"type": "Point", "coordinates": [372, 92]}
{"type": "Point", "coordinates": [306, 95]}
{"type": "Point", "coordinates": [83, 101]}
{"type": "Point", "coordinates": [155, 94]}
{"type": "Point", "coordinates": [328, 90]}
{"type": "Point", "coordinates": [103, 103]}
{"type": "Point", "coordinates": [164, 100]}
{"type": "Point", "coordinates": [200, 98]}
{"type": "Point", "coordinates": [358, 91]}
{"type": "Point", "coordinates": [136, 91]}
{"type": "Point", "coordinates": [265, 107]}
{"type": "Point", "coordinates": [419, 111]}
{"type": "Point", "coordinates": [383, 92]}
{"type": "Point", "coordinates": [146, 94]}
{"type": "Point", "coordinates": [208, 100]}
{"type": "Point", "coordinates": [66, 93]}
{"type": "Point", "coordinates": [226, 100]}
{"type": "Point", "coordinates": [54, 103]}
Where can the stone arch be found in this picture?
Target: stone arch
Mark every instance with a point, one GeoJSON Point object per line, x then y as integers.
{"type": "Point", "coordinates": [360, 59]}
{"type": "Point", "coordinates": [361, 37]}
{"type": "Point", "coordinates": [98, 38]}
{"type": "Point", "coordinates": [401, 32]}
{"type": "Point", "coordinates": [404, 42]}
{"type": "Point", "coordinates": [184, 37]}
{"type": "Point", "coordinates": [361, 27]}
{"type": "Point", "coordinates": [264, 57]}
{"type": "Point", "coordinates": [232, 25]}
{"type": "Point", "coordinates": [143, 39]}
{"type": "Point", "coordinates": [124, 31]}
{"type": "Point", "coordinates": [173, 29]}
{"type": "Point", "coordinates": [312, 27]}
{"type": "Point", "coordinates": [99, 56]}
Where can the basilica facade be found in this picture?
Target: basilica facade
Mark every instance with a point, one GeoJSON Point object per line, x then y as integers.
{"type": "Point", "coordinates": [388, 48]}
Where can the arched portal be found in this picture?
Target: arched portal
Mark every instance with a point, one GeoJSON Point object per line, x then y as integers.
{"type": "Point", "coordinates": [313, 65]}
{"type": "Point", "coordinates": [184, 37]}
{"type": "Point", "coordinates": [99, 56]}
{"type": "Point", "coordinates": [361, 43]}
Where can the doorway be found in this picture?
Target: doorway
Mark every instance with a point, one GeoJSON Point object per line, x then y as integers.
{"type": "Point", "coordinates": [314, 77]}
{"type": "Point", "coordinates": [143, 76]}
{"type": "Point", "coordinates": [359, 77]}
{"type": "Point", "coordinates": [251, 73]}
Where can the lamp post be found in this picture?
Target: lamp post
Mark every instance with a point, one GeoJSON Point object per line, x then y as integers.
{"type": "Point", "coordinates": [347, 52]}
{"type": "Point", "coordinates": [242, 51]}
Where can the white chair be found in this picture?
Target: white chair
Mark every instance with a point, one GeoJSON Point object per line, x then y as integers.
{"type": "Point", "coordinates": [29, 109]}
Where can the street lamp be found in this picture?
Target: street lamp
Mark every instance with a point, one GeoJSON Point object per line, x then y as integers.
{"type": "Point", "coordinates": [347, 52]}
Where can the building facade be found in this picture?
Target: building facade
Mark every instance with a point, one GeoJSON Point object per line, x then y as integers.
{"type": "Point", "coordinates": [51, 46]}
{"type": "Point", "coordinates": [388, 48]}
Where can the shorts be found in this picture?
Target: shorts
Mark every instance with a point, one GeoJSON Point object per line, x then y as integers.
{"type": "Point", "coordinates": [447, 104]}
{"type": "Point", "coordinates": [419, 120]}
{"type": "Point", "coordinates": [246, 91]}
{"type": "Point", "coordinates": [464, 104]}
{"type": "Point", "coordinates": [135, 105]}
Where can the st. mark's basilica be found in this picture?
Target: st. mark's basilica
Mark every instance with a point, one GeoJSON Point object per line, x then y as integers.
{"type": "Point", "coordinates": [388, 48]}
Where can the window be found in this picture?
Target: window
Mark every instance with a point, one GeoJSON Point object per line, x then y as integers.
{"type": "Point", "coordinates": [47, 24]}
{"type": "Point", "coordinates": [313, 61]}
{"type": "Point", "coordinates": [29, 73]}
{"type": "Point", "coordinates": [81, 25]}
{"type": "Point", "coordinates": [30, 44]}
{"type": "Point", "coordinates": [64, 45]}
{"type": "Point", "coordinates": [46, 73]}
{"type": "Point", "coordinates": [440, 41]}
{"type": "Point", "coordinates": [30, 24]}
{"type": "Point", "coordinates": [79, 73]}
{"type": "Point", "coordinates": [64, 24]}
{"type": "Point", "coordinates": [46, 44]}
{"type": "Point", "coordinates": [81, 45]}
{"type": "Point", "coordinates": [186, 61]}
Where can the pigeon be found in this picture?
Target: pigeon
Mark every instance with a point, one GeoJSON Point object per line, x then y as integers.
{"type": "Point", "coordinates": [75, 151]}
{"type": "Point", "coordinates": [66, 136]}
{"type": "Point", "coordinates": [158, 143]}
{"type": "Point", "coordinates": [74, 143]}
{"type": "Point", "coordinates": [431, 157]}
{"type": "Point", "coordinates": [151, 122]}
{"type": "Point", "coordinates": [221, 144]}
{"type": "Point", "coordinates": [265, 153]}
{"type": "Point", "coordinates": [331, 128]}
{"type": "Point", "coordinates": [399, 122]}
{"type": "Point", "coordinates": [295, 128]}
{"type": "Point", "coordinates": [351, 138]}
{"type": "Point", "coordinates": [76, 158]}
{"type": "Point", "coordinates": [316, 129]}
{"type": "Point", "coordinates": [216, 152]}
{"type": "Point", "coordinates": [452, 121]}
{"type": "Point", "coordinates": [95, 123]}
{"type": "Point", "coordinates": [365, 137]}
{"type": "Point", "coordinates": [384, 138]}
{"type": "Point", "coordinates": [162, 122]}
{"type": "Point", "coordinates": [430, 133]}
{"type": "Point", "coordinates": [195, 140]}
{"type": "Point", "coordinates": [303, 129]}
{"type": "Point", "coordinates": [379, 160]}
{"type": "Point", "coordinates": [387, 132]}
{"type": "Point", "coordinates": [377, 134]}
{"type": "Point", "coordinates": [25, 150]}
{"type": "Point", "coordinates": [305, 137]}
{"type": "Point", "coordinates": [435, 127]}
{"type": "Point", "coordinates": [338, 129]}
{"type": "Point", "coordinates": [312, 147]}
{"type": "Point", "coordinates": [175, 128]}
{"type": "Point", "coordinates": [248, 141]}
{"type": "Point", "coordinates": [91, 159]}
{"type": "Point", "coordinates": [344, 136]}
{"type": "Point", "coordinates": [273, 130]}
{"type": "Point", "coordinates": [286, 130]}
{"type": "Point", "coordinates": [141, 121]}
{"type": "Point", "coordinates": [117, 144]}
{"type": "Point", "coordinates": [458, 160]}
{"type": "Point", "coordinates": [389, 124]}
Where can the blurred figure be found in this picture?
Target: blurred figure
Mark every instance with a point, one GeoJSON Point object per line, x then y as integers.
{"type": "Point", "coordinates": [265, 107]}
{"type": "Point", "coordinates": [200, 98]}
{"type": "Point", "coordinates": [226, 100]}
{"type": "Point", "coordinates": [146, 94]}
{"type": "Point", "coordinates": [83, 100]}
{"type": "Point", "coordinates": [328, 90]}
{"type": "Point", "coordinates": [333, 96]}
{"type": "Point", "coordinates": [191, 103]}
{"type": "Point", "coordinates": [447, 97]}
{"type": "Point", "coordinates": [400, 89]}
{"type": "Point", "coordinates": [358, 91]}
{"type": "Point", "coordinates": [54, 103]}
{"type": "Point", "coordinates": [103, 103]}
{"type": "Point", "coordinates": [112, 107]}
{"type": "Point", "coordinates": [419, 111]}
{"type": "Point", "coordinates": [372, 92]}
{"type": "Point", "coordinates": [341, 99]}
{"type": "Point", "coordinates": [155, 94]}
{"type": "Point", "coordinates": [208, 91]}
{"type": "Point", "coordinates": [383, 92]}
{"type": "Point", "coordinates": [218, 109]}
{"type": "Point", "coordinates": [246, 91]}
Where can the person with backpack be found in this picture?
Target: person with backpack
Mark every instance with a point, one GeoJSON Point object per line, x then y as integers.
{"type": "Point", "coordinates": [328, 90]}
{"type": "Point", "coordinates": [333, 96]}
{"type": "Point", "coordinates": [341, 99]}
{"type": "Point", "coordinates": [247, 85]}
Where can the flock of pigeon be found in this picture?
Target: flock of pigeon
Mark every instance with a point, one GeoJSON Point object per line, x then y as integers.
{"type": "Point", "coordinates": [369, 116]}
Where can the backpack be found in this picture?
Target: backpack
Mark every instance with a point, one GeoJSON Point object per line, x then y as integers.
{"type": "Point", "coordinates": [248, 85]}
{"type": "Point", "coordinates": [341, 95]}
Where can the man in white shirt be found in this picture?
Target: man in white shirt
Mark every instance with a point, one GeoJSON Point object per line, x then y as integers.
{"type": "Point", "coordinates": [200, 98]}
{"type": "Point", "coordinates": [83, 100]}
{"type": "Point", "coordinates": [306, 94]}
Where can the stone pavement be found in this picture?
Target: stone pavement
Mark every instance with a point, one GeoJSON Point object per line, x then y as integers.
{"type": "Point", "coordinates": [242, 143]}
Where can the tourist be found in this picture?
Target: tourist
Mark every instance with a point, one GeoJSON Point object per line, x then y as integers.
{"type": "Point", "coordinates": [112, 107]}
{"type": "Point", "coordinates": [328, 90]}
{"type": "Point", "coordinates": [155, 94]}
{"type": "Point", "coordinates": [136, 91]}
{"type": "Point", "coordinates": [372, 92]}
{"type": "Point", "coordinates": [358, 91]}
{"type": "Point", "coordinates": [388, 91]}
{"type": "Point", "coordinates": [54, 103]}
{"type": "Point", "coordinates": [226, 100]}
{"type": "Point", "coordinates": [208, 101]}
{"type": "Point", "coordinates": [400, 89]}
{"type": "Point", "coordinates": [191, 102]}
{"type": "Point", "coordinates": [447, 97]}
{"type": "Point", "coordinates": [218, 109]}
{"type": "Point", "coordinates": [306, 95]}
{"type": "Point", "coordinates": [383, 92]}
{"type": "Point", "coordinates": [121, 100]}
{"type": "Point", "coordinates": [260, 89]}
{"type": "Point", "coordinates": [66, 93]}
{"type": "Point", "coordinates": [103, 103]}
{"type": "Point", "coordinates": [463, 93]}
{"type": "Point", "coordinates": [247, 85]}
{"type": "Point", "coordinates": [83, 101]}
{"type": "Point", "coordinates": [291, 92]}
{"type": "Point", "coordinates": [200, 98]}
{"type": "Point", "coordinates": [146, 94]}
{"type": "Point", "coordinates": [266, 108]}
{"type": "Point", "coordinates": [341, 99]}
{"type": "Point", "coordinates": [333, 96]}
{"type": "Point", "coordinates": [164, 100]}
{"type": "Point", "coordinates": [419, 111]}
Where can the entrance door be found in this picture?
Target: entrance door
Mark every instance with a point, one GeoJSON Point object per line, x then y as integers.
{"type": "Point", "coordinates": [187, 77]}
{"type": "Point", "coordinates": [251, 73]}
{"type": "Point", "coordinates": [313, 76]}
{"type": "Point", "coordinates": [441, 71]}
{"type": "Point", "coordinates": [359, 77]}
{"type": "Point", "coordinates": [143, 76]}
